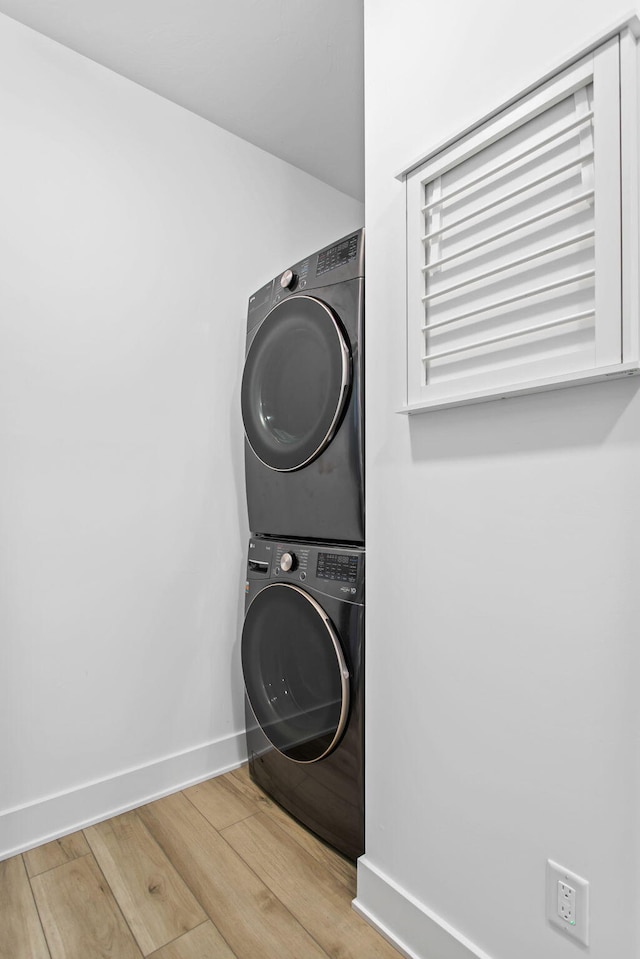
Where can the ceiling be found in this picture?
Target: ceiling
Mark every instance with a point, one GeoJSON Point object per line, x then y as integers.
{"type": "Point", "coordinates": [287, 75]}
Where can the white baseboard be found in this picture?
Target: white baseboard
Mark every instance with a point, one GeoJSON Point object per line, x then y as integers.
{"type": "Point", "coordinates": [414, 929]}
{"type": "Point", "coordinates": [34, 823]}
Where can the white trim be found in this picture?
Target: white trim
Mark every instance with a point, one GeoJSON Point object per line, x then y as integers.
{"type": "Point", "coordinates": [550, 141]}
{"type": "Point", "coordinates": [631, 22]}
{"type": "Point", "coordinates": [544, 97]}
{"type": "Point", "coordinates": [503, 337]}
{"type": "Point", "coordinates": [523, 295]}
{"type": "Point", "coordinates": [510, 265]}
{"type": "Point", "coordinates": [608, 223]}
{"type": "Point", "coordinates": [50, 817]}
{"type": "Point", "coordinates": [514, 228]}
{"type": "Point", "coordinates": [415, 930]}
{"type": "Point", "coordinates": [505, 197]}
{"type": "Point", "coordinates": [579, 378]}
{"type": "Point", "coordinates": [630, 125]}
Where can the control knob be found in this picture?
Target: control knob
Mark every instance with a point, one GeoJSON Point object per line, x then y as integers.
{"type": "Point", "coordinates": [287, 280]}
{"type": "Point", "coordinates": [288, 562]}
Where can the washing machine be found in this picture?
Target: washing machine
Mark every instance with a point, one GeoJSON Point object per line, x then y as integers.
{"type": "Point", "coordinates": [303, 667]}
{"type": "Point", "coordinates": [302, 398]}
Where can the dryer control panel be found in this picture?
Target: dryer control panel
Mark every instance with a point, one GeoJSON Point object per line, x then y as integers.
{"type": "Point", "coordinates": [346, 251]}
{"type": "Point", "coordinates": [341, 261]}
{"type": "Point", "coordinates": [332, 570]}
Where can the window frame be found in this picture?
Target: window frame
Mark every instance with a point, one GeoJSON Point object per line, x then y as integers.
{"type": "Point", "coordinates": [612, 66]}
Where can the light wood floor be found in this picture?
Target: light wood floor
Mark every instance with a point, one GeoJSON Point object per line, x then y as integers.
{"type": "Point", "coordinates": [217, 871]}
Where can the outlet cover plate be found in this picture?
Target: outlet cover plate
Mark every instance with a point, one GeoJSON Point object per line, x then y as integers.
{"type": "Point", "coordinates": [556, 874]}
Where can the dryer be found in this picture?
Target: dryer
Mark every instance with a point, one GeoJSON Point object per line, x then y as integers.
{"type": "Point", "coordinates": [302, 398]}
{"type": "Point", "coordinates": [303, 667]}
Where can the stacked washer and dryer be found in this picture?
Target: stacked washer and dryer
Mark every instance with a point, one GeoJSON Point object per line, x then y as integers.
{"type": "Point", "coordinates": [303, 632]}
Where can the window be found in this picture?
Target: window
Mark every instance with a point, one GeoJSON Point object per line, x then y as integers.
{"type": "Point", "coordinates": [522, 242]}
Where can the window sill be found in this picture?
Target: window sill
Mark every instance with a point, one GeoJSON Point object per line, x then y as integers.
{"type": "Point", "coordinates": [582, 378]}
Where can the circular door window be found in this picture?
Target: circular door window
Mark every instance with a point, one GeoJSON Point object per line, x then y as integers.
{"type": "Point", "coordinates": [295, 673]}
{"type": "Point", "coordinates": [295, 383]}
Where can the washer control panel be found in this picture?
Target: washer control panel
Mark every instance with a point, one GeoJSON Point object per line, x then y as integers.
{"type": "Point", "coordinates": [339, 567]}
{"type": "Point", "coordinates": [330, 570]}
{"type": "Point", "coordinates": [293, 560]}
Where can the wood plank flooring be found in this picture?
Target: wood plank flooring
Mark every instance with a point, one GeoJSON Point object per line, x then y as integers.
{"type": "Point", "coordinates": [217, 871]}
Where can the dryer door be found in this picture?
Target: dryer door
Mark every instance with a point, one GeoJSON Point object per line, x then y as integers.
{"type": "Point", "coordinates": [296, 381]}
{"type": "Point", "coordinates": [295, 674]}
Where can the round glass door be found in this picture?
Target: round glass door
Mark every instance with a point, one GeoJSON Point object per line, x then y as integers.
{"type": "Point", "coordinates": [295, 383]}
{"type": "Point", "coordinates": [295, 673]}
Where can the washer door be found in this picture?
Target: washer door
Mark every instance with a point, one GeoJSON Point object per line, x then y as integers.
{"type": "Point", "coordinates": [295, 673]}
{"type": "Point", "coordinates": [295, 384]}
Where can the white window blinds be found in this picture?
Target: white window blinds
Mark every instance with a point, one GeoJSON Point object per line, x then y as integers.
{"type": "Point", "coordinates": [514, 250]}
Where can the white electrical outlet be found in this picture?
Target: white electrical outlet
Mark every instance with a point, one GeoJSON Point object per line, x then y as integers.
{"type": "Point", "coordinates": [568, 901]}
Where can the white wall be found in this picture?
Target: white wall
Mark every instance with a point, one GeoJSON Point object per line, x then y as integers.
{"type": "Point", "coordinates": [131, 235]}
{"type": "Point", "coordinates": [503, 566]}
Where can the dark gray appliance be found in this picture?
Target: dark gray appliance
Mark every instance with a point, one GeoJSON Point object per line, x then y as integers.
{"type": "Point", "coordinates": [303, 667]}
{"type": "Point", "coordinates": [302, 398]}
